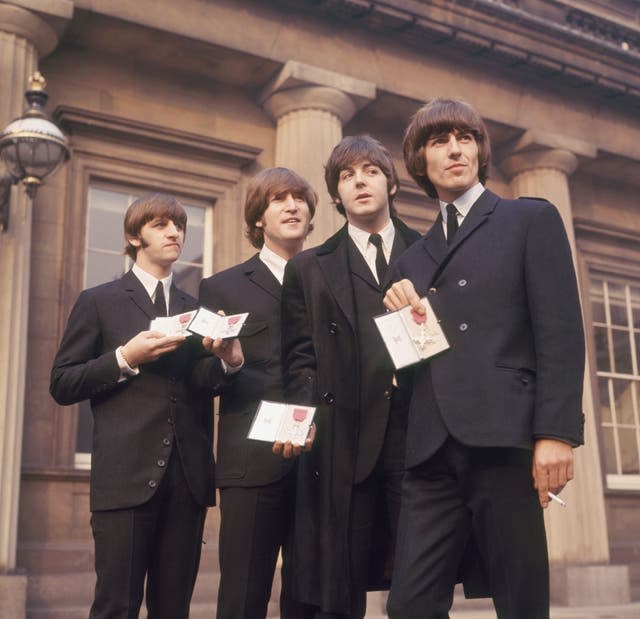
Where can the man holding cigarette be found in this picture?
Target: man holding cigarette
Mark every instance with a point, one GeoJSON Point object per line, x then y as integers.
{"type": "Point", "coordinates": [493, 420]}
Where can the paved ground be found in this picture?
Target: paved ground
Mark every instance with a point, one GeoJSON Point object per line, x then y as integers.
{"type": "Point", "coordinates": [461, 610]}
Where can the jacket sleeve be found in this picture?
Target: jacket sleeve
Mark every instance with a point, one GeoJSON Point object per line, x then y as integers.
{"type": "Point", "coordinates": [82, 369]}
{"type": "Point", "coordinates": [208, 372]}
{"type": "Point", "coordinates": [298, 353]}
{"type": "Point", "coordinates": [556, 320]}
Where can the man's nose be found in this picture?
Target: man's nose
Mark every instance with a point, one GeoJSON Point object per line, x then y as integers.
{"type": "Point", "coordinates": [290, 203]}
{"type": "Point", "coordinates": [172, 229]}
{"type": "Point", "coordinates": [454, 145]}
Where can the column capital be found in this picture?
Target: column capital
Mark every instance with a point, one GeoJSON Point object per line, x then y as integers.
{"type": "Point", "coordinates": [536, 149]}
{"type": "Point", "coordinates": [41, 23]}
{"type": "Point", "coordinates": [539, 158]}
{"type": "Point", "coordinates": [300, 86]}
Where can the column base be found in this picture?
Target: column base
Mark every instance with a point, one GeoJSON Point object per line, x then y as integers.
{"type": "Point", "coordinates": [13, 596]}
{"type": "Point", "coordinates": [590, 585]}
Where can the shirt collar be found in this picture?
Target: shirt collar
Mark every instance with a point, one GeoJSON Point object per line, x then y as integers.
{"type": "Point", "coordinates": [464, 202]}
{"type": "Point", "coordinates": [150, 282]}
{"type": "Point", "coordinates": [361, 237]}
{"type": "Point", "coordinates": [274, 262]}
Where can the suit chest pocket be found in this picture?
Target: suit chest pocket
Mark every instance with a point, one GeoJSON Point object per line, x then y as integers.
{"type": "Point", "coordinates": [259, 343]}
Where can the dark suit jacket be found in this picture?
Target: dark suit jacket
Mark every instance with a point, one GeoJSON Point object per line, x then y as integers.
{"type": "Point", "coordinates": [506, 295]}
{"type": "Point", "coordinates": [248, 287]}
{"type": "Point", "coordinates": [322, 367]}
{"type": "Point", "coordinates": [140, 421]}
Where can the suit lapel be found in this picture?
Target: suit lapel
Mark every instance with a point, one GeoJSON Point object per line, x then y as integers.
{"type": "Point", "coordinates": [134, 289]}
{"type": "Point", "coordinates": [400, 244]}
{"type": "Point", "coordinates": [333, 258]}
{"type": "Point", "coordinates": [259, 274]}
{"type": "Point", "coordinates": [436, 244]}
{"type": "Point", "coordinates": [177, 301]}
{"type": "Point", "coordinates": [358, 265]}
{"type": "Point", "coordinates": [478, 215]}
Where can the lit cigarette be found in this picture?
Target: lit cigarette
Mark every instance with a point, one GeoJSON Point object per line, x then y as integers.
{"type": "Point", "coordinates": [556, 498]}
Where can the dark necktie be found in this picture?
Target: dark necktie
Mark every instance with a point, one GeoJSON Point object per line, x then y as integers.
{"type": "Point", "coordinates": [160, 304]}
{"type": "Point", "coordinates": [452, 222]}
{"type": "Point", "coordinates": [381, 261]}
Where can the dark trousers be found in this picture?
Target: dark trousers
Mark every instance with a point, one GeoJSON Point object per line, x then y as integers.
{"type": "Point", "coordinates": [160, 540]}
{"type": "Point", "coordinates": [375, 508]}
{"type": "Point", "coordinates": [255, 523]}
{"type": "Point", "coordinates": [459, 492]}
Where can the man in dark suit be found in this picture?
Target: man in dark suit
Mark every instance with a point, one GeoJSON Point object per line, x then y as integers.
{"type": "Point", "coordinates": [257, 487]}
{"type": "Point", "coordinates": [152, 470]}
{"type": "Point", "coordinates": [333, 357]}
{"type": "Point", "coordinates": [493, 420]}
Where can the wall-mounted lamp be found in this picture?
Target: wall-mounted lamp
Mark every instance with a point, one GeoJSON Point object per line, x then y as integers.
{"type": "Point", "coordinates": [30, 146]}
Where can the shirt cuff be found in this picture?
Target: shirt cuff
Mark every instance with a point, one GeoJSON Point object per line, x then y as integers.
{"type": "Point", "coordinates": [230, 370]}
{"type": "Point", "coordinates": [126, 370]}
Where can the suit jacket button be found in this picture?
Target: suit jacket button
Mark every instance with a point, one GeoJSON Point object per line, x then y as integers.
{"type": "Point", "coordinates": [388, 393]}
{"type": "Point", "coordinates": [161, 462]}
{"type": "Point", "coordinates": [316, 474]}
{"type": "Point", "coordinates": [433, 290]}
{"type": "Point", "coordinates": [152, 483]}
{"type": "Point", "coordinates": [170, 421]}
{"type": "Point", "coordinates": [329, 398]}
{"type": "Point", "coordinates": [333, 328]}
{"type": "Point", "coordinates": [166, 442]}
{"type": "Point", "coordinates": [463, 326]}
{"type": "Point", "coordinates": [462, 282]}
{"type": "Point", "coordinates": [173, 399]}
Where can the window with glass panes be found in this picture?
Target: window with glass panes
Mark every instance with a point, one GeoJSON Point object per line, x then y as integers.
{"type": "Point", "coordinates": [105, 261]}
{"type": "Point", "coordinates": [615, 306]}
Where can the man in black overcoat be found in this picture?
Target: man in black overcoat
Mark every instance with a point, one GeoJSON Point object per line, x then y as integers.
{"type": "Point", "coordinates": [152, 469]}
{"type": "Point", "coordinates": [257, 487]}
{"type": "Point", "coordinates": [493, 420]}
{"type": "Point", "coordinates": [333, 357]}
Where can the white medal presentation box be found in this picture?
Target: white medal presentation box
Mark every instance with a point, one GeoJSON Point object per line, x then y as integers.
{"type": "Point", "coordinates": [411, 337]}
{"type": "Point", "coordinates": [276, 421]}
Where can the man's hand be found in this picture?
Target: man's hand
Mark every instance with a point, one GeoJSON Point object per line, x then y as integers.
{"type": "Point", "coordinates": [401, 294]}
{"type": "Point", "coordinates": [288, 449]}
{"type": "Point", "coordinates": [552, 467]}
{"type": "Point", "coordinates": [229, 350]}
{"type": "Point", "coordinates": [148, 346]}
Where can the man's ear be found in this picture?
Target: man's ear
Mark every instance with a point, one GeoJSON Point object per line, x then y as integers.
{"type": "Point", "coordinates": [259, 223]}
{"type": "Point", "coordinates": [134, 241]}
{"type": "Point", "coordinates": [393, 190]}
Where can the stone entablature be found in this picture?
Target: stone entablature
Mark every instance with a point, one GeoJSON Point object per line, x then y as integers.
{"type": "Point", "coordinates": [555, 37]}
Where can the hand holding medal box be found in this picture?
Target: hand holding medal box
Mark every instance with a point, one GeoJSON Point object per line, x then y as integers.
{"type": "Point", "coordinates": [216, 326]}
{"type": "Point", "coordinates": [173, 325]}
{"type": "Point", "coordinates": [283, 423]}
{"type": "Point", "coordinates": [411, 337]}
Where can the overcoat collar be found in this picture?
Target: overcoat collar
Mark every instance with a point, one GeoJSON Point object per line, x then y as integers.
{"type": "Point", "coordinates": [435, 243]}
{"type": "Point", "coordinates": [333, 256]}
{"type": "Point", "coordinates": [258, 273]}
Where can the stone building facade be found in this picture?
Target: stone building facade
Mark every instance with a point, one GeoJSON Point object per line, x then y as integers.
{"type": "Point", "coordinates": [195, 97]}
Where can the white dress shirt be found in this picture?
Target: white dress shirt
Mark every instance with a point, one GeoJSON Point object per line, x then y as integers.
{"type": "Point", "coordinates": [463, 203]}
{"type": "Point", "coordinates": [368, 250]}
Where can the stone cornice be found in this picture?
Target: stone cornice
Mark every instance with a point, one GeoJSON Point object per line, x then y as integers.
{"type": "Point", "coordinates": [84, 122]}
{"type": "Point", "coordinates": [580, 47]}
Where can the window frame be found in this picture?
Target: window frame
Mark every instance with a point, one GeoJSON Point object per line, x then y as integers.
{"type": "Point", "coordinates": [117, 151]}
{"type": "Point", "coordinates": [605, 250]}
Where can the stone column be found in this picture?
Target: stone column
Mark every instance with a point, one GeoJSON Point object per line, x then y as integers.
{"type": "Point", "coordinates": [24, 35]}
{"type": "Point", "coordinates": [539, 166]}
{"type": "Point", "coordinates": [310, 105]}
